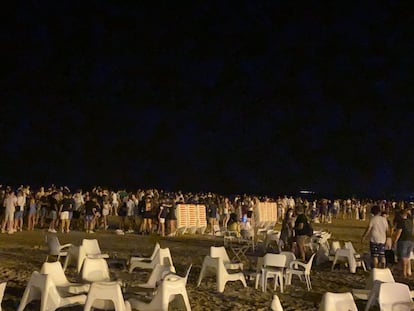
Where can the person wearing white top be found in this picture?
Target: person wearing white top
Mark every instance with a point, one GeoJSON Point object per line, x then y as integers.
{"type": "Point", "coordinates": [18, 214]}
{"type": "Point", "coordinates": [10, 204]}
{"type": "Point", "coordinates": [377, 230]}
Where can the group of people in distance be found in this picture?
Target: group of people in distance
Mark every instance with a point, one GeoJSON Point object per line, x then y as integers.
{"type": "Point", "coordinates": [154, 211]}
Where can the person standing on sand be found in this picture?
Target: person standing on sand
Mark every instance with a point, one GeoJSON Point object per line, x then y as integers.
{"type": "Point", "coordinates": [300, 232]}
{"type": "Point", "coordinates": [404, 241]}
{"type": "Point", "coordinates": [377, 230]}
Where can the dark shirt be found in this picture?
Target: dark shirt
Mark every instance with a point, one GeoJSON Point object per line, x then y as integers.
{"type": "Point", "coordinates": [406, 225]}
{"type": "Point", "coordinates": [89, 207]}
{"type": "Point", "coordinates": [301, 219]}
{"type": "Point", "coordinates": [67, 204]}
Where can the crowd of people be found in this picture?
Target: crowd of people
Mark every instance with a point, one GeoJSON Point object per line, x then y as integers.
{"type": "Point", "coordinates": [154, 211]}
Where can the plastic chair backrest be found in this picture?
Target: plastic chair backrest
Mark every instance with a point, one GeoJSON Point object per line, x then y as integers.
{"type": "Point", "coordinates": [290, 256]}
{"type": "Point", "coordinates": [274, 260]}
{"type": "Point", "coordinates": [378, 274]}
{"type": "Point", "coordinates": [95, 270]}
{"type": "Point", "coordinates": [157, 274]}
{"type": "Point", "coordinates": [91, 247]}
{"type": "Point", "coordinates": [154, 252]}
{"type": "Point", "coordinates": [276, 305]}
{"type": "Point", "coordinates": [338, 302]}
{"type": "Point", "coordinates": [335, 245]}
{"type": "Point", "coordinates": [105, 296]}
{"type": "Point", "coordinates": [391, 294]}
{"type": "Point", "coordinates": [163, 257]}
{"type": "Point", "coordinates": [219, 251]}
{"type": "Point", "coordinates": [349, 245]}
{"type": "Point", "coordinates": [53, 244]}
{"type": "Point", "coordinates": [55, 270]}
{"type": "Point", "coordinates": [309, 264]}
{"type": "Point", "coordinates": [2, 288]}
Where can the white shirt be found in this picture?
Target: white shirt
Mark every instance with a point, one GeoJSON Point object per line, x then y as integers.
{"type": "Point", "coordinates": [10, 202]}
{"type": "Point", "coordinates": [378, 227]}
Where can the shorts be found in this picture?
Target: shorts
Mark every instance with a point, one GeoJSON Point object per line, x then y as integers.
{"type": "Point", "coordinates": [404, 248]}
{"type": "Point", "coordinates": [105, 212]}
{"type": "Point", "coordinates": [53, 215]}
{"type": "Point", "coordinates": [18, 214]}
{"type": "Point", "coordinates": [32, 210]}
{"type": "Point", "coordinates": [43, 211]}
{"type": "Point", "coordinates": [64, 215]}
{"type": "Point", "coordinates": [377, 249]}
{"type": "Point", "coordinates": [9, 215]}
{"type": "Point", "coordinates": [162, 220]}
{"type": "Point", "coordinates": [89, 217]}
{"type": "Point", "coordinates": [148, 215]}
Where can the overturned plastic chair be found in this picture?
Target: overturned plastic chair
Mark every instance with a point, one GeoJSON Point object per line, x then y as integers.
{"type": "Point", "coordinates": [2, 288]}
{"type": "Point", "coordinates": [55, 248]}
{"type": "Point", "coordinates": [220, 251]}
{"type": "Point", "coordinates": [377, 274]}
{"type": "Point", "coordinates": [300, 269]}
{"type": "Point", "coordinates": [41, 287]}
{"type": "Point", "coordinates": [55, 270]}
{"type": "Point", "coordinates": [171, 286]}
{"type": "Point", "coordinates": [337, 302]}
{"type": "Point", "coordinates": [106, 296]}
{"type": "Point", "coordinates": [215, 266]}
{"type": "Point", "coordinates": [162, 257]}
{"type": "Point", "coordinates": [134, 259]}
{"type": "Point", "coordinates": [92, 249]}
{"type": "Point", "coordinates": [95, 270]}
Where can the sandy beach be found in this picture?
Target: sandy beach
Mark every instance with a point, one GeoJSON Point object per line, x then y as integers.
{"type": "Point", "coordinates": [24, 252]}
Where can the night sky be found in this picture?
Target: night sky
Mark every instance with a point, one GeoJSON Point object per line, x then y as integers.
{"type": "Point", "coordinates": [261, 97]}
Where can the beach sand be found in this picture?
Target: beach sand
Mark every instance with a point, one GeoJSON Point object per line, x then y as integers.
{"type": "Point", "coordinates": [24, 252]}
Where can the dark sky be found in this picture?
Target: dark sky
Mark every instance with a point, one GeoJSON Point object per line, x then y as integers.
{"type": "Point", "coordinates": [261, 97]}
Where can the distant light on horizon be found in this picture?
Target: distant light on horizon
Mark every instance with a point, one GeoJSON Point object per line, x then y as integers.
{"type": "Point", "coordinates": [306, 192]}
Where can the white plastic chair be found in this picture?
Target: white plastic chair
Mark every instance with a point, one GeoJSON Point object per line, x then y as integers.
{"type": "Point", "coordinates": [290, 256]}
{"type": "Point", "coordinates": [106, 296]}
{"type": "Point", "coordinates": [394, 296]}
{"type": "Point", "coordinates": [276, 305]}
{"type": "Point", "coordinates": [300, 269]}
{"type": "Point", "coordinates": [347, 255]}
{"type": "Point", "coordinates": [41, 287]}
{"type": "Point", "coordinates": [359, 260]}
{"type": "Point", "coordinates": [162, 257]}
{"type": "Point", "coordinates": [170, 287]}
{"type": "Point", "coordinates": [158, 273]}
{"type": "Point", "coordinates": [92, 249]}
{"type": "Point", "coordinates": [377, 274]}
{"type": "Point", "coordinates": [350, 246]}
{"type": "Point", "coordinates": [257, 273]}
{"type": "Point", "coordinates": [273, 266]}
{"type": "Point", "coordinates": [335, 245]}
{"type": "Point", "coordinates": [95, 270]}
{"type": "Point", "coordinates": [220, 251]}
{"type": "Point", "coordinates": [147, 259]}
{"type": "Point", "coordinates": [337, 302]}
{"type": "Point", "coordinates": [55, 248]}
{"type": "Point", "coordinates": [76, 254]}
{"type": "Point", "coordinates": [2, 289]}
{"type": "Point", "coordinates": [55, 270]}
{"type": "Point", "coordinates": [215, 266]}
